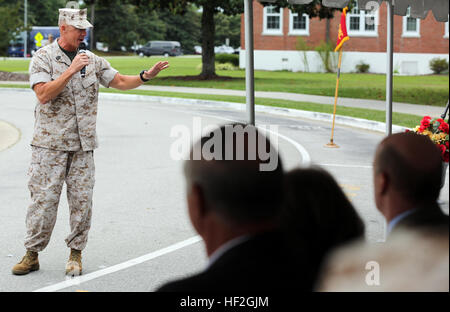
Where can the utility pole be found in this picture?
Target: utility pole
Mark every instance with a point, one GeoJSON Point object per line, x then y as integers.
{"type": "Point", "coordinates": [249, 62]}
{"type": "Point", "coordinates": [25, 18]}
{"type": "Point", "coordinates": [390, 59]}
{"type": "Point", "coordinates": [92, 45]}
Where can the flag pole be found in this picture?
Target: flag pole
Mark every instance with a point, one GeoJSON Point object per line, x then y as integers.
{"type": "Point", "coordinates": [342, 37]}
{"type": "Point", "coordinates": [331, 143]}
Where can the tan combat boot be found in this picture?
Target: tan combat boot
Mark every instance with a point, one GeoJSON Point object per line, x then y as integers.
{"type": "Point", "coordinates": [30, 262]}
{"type": "Point", "coordinates": [73, 266]}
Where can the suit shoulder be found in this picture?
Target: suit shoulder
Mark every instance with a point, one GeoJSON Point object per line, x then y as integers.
{"type": "Point", "coordinates": [195, 283]}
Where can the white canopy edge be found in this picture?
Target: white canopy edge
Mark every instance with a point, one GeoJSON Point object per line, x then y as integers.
{"type": "Point", "coordinates": [419, 8]}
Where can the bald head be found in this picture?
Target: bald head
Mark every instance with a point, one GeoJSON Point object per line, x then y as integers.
{"type": "Point", "coordinates": [240, 174]}
{"type": "Point", "coordinates": [413, 165]}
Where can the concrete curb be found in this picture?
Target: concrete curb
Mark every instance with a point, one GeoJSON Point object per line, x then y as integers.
{"type": "Point", "coordinates": [285, 112]}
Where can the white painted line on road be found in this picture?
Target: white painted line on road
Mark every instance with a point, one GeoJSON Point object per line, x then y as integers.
{"type": "Point", "coordinates": [346, 166]}
{"type": "Point", "coordinates": [121, 266]}
{"type": "Point", "coordinates": [306, 159]}
{"type": "Point", "coordinates": [9, 135]}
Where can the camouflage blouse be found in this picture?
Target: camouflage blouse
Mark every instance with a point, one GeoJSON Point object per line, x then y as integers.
{"type": "Point", "coordinates": [68, 122]}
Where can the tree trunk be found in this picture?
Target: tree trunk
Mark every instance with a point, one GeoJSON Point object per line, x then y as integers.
{"type": "Point", "coordinates": [208, 35]}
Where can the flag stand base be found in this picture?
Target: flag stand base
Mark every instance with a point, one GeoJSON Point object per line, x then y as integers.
{"type": "Point", "coordinates": [331, 145]}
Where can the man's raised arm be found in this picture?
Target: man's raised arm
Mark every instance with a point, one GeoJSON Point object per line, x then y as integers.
{"type": "Point", "coordinates": [124, 82]}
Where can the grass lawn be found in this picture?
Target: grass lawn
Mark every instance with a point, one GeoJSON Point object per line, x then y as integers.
{"type": "Point", "coordinates": [400, 119]}
{"type": "Point", "coordinates": [425, 90]}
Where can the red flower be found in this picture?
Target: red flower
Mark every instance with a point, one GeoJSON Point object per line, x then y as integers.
{"type": "Point", "coordinates": [440, 120]}
{"type": "Point", "coordinates": [445, 157]}
{"type": "Point", "coordinates": [443, 127]}
{"type": "Point", "coordinates": [426, 118]}
{"type": "Point", "coordinates": [443, 149]}
{"type": "Point", "coordinates": [425, 123]}
{"type": "Point", "coordinates": [446, 144]}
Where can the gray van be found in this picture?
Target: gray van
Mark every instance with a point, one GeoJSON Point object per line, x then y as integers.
{"type": "Point", "coordinates": [166, 48]}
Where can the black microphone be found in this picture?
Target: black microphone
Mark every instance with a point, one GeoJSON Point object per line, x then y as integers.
{"type": "Point", "coordinates": [82, 49]}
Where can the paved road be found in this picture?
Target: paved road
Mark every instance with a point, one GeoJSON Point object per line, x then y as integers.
{"type": "Point", "coordinates": [419, 110]}
{"type": "Point", "coordinates": [139, 207]}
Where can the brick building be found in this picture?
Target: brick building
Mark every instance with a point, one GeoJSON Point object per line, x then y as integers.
{"type": "Point", "coordinates": [276, 33]}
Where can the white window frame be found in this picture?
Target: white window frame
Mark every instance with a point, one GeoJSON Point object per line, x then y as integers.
{"type": "Point", "coordinates": [446, 30]}
{"type": "Point", "coordinates": [272, 32]}
{"type": "Point", "coordinates": [362, 24]}
{"type": "Point", "coordinates": [298, 32]}
{"type": "Point", "coordinates": [410, 34]}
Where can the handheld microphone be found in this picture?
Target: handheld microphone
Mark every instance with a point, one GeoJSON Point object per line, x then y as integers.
{"type": "Point", "coordinates": [82, 49]}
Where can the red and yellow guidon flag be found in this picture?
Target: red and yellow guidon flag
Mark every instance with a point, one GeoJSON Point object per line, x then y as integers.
{"type": "Point", "coordinates": [342, 36]}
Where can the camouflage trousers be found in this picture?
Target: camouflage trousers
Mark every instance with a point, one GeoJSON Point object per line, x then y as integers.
{"type": "Point", "coordinates": [48, 171]}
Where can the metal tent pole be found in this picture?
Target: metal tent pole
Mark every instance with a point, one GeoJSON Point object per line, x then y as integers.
{"type": "Point", "coordinates": [249, 62]}
{"type": "Point", "coordinates": [389, 68]}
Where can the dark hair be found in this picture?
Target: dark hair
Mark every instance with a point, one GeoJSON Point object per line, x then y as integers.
{"type": "Point", "coordinates": [317, 216]}
{"type": "Point", "coordinates": [238, 190]}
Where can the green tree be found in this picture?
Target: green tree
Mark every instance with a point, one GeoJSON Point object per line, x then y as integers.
{"type": "Point", "coordinates": [92, 5]}
{"type": "Point", "coordinates": [11, 22]}
{"type": "Point", "coordinates": [228, 27]}
{"type": "Point", "coordinates": [183, 28]}
{"type": "Point", "coordinates": [44, 13]}
{"type": "Point", "coordinates": [150, 26]}
{"type": "Point", "coordinates": [116, 23]}
{"type": "Point", "coordinates": [208, 27]}
{"type": "Point", "coordinates": [313, 9]}
{"type": "Point", "coordinates": [120, 23]}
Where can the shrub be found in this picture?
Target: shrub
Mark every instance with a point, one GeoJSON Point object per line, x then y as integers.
{"type": "Point", "coordinates": [219, 66]}
{"type": "Point", "coordinates": [438, 65]}
{"type": "Point", "coordinates": [228, 58]}
{"type": "Point", "coordinates": [225, 66]}
{"type": "Point", "coordinates": [328, 56]}
{"type": "Point", "coordinates": [362, 68]}
{"type": "Point", "coordinates": [303, 46]}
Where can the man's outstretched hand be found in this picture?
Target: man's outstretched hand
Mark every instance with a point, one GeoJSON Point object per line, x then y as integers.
{"type": "Point", "coordinates": [124, 82]}
{"type": "Point", "coordinates": [154, 71]}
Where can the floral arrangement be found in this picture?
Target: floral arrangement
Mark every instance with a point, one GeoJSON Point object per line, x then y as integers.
{"type": "Point", "coordinates": [437, 130]}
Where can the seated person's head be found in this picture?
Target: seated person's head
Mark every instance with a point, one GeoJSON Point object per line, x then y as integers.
{"type": "Point", "coordinates": [318, 212]}
{"type": "Point", "coordinates": [234, 181]}
{"type": "Point", "coordinates": [408, 167]}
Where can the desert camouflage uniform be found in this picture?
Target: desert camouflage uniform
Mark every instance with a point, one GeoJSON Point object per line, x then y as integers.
{"type": "Point", "coordinates": [62, 147]}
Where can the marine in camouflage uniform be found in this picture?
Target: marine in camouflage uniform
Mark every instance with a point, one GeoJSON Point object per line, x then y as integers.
{"type": "Point", "coordinates": [62, 147]}
{"type": "Point", "coordinates": [64, 136]}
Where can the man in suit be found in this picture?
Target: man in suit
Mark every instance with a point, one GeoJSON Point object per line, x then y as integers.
{"type": "Point", "coordinates": [234, 198]}
{"type": "Point", "coordinates": [407, 178]}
